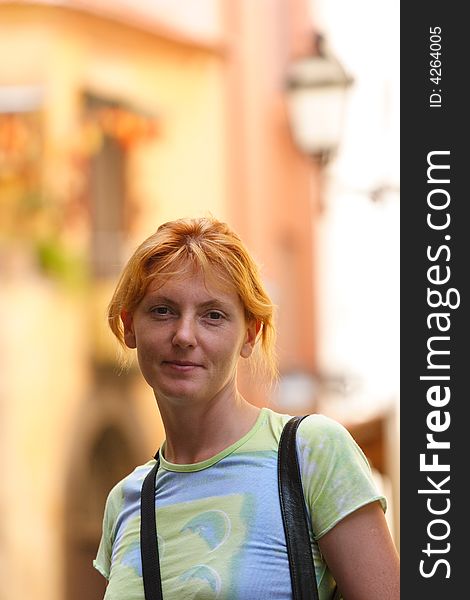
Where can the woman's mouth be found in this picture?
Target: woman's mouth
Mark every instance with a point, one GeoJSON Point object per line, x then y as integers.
{"type": "Point", "coordinates": [181, 365]}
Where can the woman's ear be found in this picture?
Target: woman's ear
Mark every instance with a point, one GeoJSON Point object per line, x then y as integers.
{"type": "Point", "coordinates": [253, 328]}
{"type": "Point", "coordinates": [128, 325]}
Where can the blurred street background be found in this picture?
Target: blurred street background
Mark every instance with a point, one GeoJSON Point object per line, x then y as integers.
{"type": "Point", "coordinates": [280, 117]}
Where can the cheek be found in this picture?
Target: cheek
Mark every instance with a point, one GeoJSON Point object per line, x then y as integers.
{"type": "Point", "coordinates": [229, 350]}
{"type": "Point", "coordinates": [149, 335]}
{"type": "Point", "coordinates": [149, 340]}
{"type": "Point", "coordinates": [147, 361]}
{"type": "Point", "coordinates": [147, 347]}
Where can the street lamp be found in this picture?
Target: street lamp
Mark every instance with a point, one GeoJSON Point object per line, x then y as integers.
{"type": "Point", "coordinates": [316, 91]}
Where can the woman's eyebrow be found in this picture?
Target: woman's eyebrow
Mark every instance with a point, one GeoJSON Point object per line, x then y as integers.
{"type": "Point", "coordinates": [214, 303]}
{"type": "Point", "coordinates": [210, 303]}
{"type": "Point", "coordinates": [156, 297]}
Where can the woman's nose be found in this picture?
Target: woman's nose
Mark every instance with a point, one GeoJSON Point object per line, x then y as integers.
{"type": "Point", "coordinates": [185, 333]}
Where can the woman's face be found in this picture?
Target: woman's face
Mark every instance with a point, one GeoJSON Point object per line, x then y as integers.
{"type": "Point", "coordinates": [189, 334]}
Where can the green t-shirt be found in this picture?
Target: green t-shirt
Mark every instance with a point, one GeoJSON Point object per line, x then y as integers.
{"type": "Point", "coordinates": [220, 531]}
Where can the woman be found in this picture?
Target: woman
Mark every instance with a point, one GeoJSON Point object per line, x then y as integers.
{"type": "Point", "coordinates": [192, 303]}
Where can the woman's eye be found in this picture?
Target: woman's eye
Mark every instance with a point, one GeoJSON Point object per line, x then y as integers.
{"type": "Point", "coordinates": [214, 315]}
{"type": "Point", "coordinates": [161, 310]}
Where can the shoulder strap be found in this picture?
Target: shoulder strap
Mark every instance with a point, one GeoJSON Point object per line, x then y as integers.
{"type": "Point", "coordinates": [148, 537]}
{"type": "Point", "coordinates": [294, 516]}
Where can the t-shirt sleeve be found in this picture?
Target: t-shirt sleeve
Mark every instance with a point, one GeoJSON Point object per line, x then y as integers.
{"type": "Point", "coordinates": [102, 562]}
{"type": "Point", "coordinates": [336, 475]}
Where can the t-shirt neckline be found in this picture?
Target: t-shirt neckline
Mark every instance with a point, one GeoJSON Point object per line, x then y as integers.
{"type": "Point", "coordinates": [209, 462]}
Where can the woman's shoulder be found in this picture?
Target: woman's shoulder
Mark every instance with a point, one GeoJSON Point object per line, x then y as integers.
{"type": "Point", "coordinates": [318, 425]}
{"type": "Point", "coordinates": [321, 434]}
{"type": "Point", "coordinates": [314, 427]}
{"type": "Point", "coordinates": [319, 438]}
{"type": "Point", "coordinates": [128, 488]}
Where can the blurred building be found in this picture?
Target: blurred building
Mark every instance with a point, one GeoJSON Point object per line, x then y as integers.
{"type": "Point", "coordinates": [115, 117]}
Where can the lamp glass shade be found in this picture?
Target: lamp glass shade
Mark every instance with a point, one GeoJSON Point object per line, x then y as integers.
{"type": "Point", "coordinates": [316, 118]}
{"type": "Point", "coordinates": [316, 94]}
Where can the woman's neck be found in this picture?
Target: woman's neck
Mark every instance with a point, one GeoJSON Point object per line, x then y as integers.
{"type": "Point", "coordinates": [196, 433]}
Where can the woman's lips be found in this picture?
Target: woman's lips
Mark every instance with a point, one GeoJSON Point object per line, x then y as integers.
{"type": "Point", "coordinates": [182, 365]}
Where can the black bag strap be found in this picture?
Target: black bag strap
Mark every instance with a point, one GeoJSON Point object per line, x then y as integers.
{"type": "Point", "coordinates": [148, 537]}
{"type": "Point", "coordinates": [294, 515]}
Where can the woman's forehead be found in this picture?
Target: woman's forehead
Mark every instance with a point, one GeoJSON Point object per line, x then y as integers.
{"type": "Point", "coordinates": [213, 279]}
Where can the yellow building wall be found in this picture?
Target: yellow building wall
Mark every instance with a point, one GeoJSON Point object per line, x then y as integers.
{"type": "Point", "coordinates": [44, 378]}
